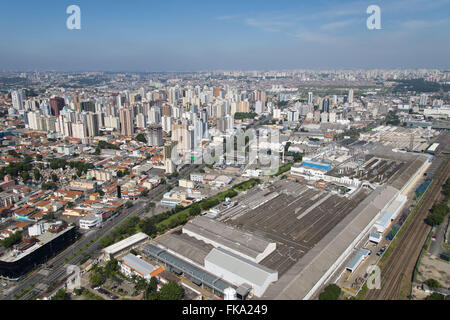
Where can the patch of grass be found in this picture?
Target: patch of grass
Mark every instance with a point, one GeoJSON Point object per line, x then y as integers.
{"type": "Point", "coordinates": [283, 169]}
{"type": "Point", "coordinates": [86, 293]}
{"type": "Point", "coordinates": [362, 293]}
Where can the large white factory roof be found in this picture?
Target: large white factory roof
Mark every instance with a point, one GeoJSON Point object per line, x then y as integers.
{"type": "Point", "coordinates": [239, 271]}
{"type": "Point", "coordinates": [221, 235]}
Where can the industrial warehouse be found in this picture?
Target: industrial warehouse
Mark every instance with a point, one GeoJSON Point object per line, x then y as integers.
{"type": "Point", "coordinates": [287, 238]}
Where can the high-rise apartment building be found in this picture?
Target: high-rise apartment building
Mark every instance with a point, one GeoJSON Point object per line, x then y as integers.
{"type": "Point", "coordinates": [126, 122]}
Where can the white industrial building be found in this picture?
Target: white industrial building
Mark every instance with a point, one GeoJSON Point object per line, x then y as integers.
{"type": "Point", "coordinates": [133, 265]}
{"type": "Point", "coordinates": [375, 237]}
{"type": "Point", "coordinates": [357, 259]}
{"type": "Point", "coordinates": [239, 271]}
{"type": "Point", "coordinates": [391, 212]}
{"type": "Point", "coordinates": [220, 235]}
{"type": "Point", "coordinates": [125, 244]}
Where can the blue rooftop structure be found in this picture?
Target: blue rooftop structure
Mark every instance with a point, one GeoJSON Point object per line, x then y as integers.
{"type": "Point", "coordinates": [317, 165]}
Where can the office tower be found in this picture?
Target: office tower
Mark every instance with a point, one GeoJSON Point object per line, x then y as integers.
{"type": "Point", "coordinates": [176, 112]}
{"type": "Point", "coordinates": [263, 97]}
{"type": "Point", "coordinates": [155, 136]}
{"type": "Point", "coordinates": [324, 117]}
{"type": "Point", "coordinates": [326, 105]}
{"type": "Point", "coordinates": [140, 121]}
{"type": "Point", "coordinates": [45, 108]}
{"type": "Point", "coordinates": [350, 96]}
{"type": "Point", "coordinates": [56, 105]}
{"type": "Point", "coordinates": [92, 124]}
{"type": "Point", "coordinates": [50, 123]}
{"type": "Point", "coordinates": [126, 122]}
{"type": "Point", "coordinates": [166, 123]}
{"type": "Point", "coordinates": [221, 124]}
{"type": "Point", "coordinates": [423, 100]}
{"type": "Point", "coordinates": [259, 107]}
{"type": "Point", "coordinates": [310, 98]}
{"type": "Point", "coordinates": [334, 101]}
{"type": "Point", "coordinates": [17, 99]}
{"type": "Point", "coordinates": [292, 115]}
{"type": "Point", "coordinates": [233, 107]}
{"type": "Point", "coordinates": [332, 117]}
{"type": "Point", "coordinates": [32, 119]}
{"type": "Point", "coordinates": [79, 130]}
{"type": "Point", "coordinates": [229, 122]}
{"type": "Point", "coordinates": [243, 106]}
{"type": "Point", "coordinates": [204, 115]}
{"type": "Point", "coordinates": [154, 116]}
{"type": "Point", "coordinates": [119, 102]}
{"type": "Point", "coordinates": [167, 110]}
{"type": "Point", "coordinates": [277, 113]}
{"type": "Point", "coordinates": [217, 92]}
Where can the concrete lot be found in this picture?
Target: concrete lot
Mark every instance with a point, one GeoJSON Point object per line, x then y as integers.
{"type": "Point", "coordinates": [296, 219]}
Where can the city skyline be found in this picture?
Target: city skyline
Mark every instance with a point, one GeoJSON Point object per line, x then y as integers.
{"type": "Point", "coordinates": [200, 36]}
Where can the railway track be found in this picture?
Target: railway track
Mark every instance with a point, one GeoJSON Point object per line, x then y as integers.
{"type": "Point", "coordinates": [403, 258]}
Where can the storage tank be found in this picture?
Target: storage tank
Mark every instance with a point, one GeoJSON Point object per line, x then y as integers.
{"type": "Point", "coordinates": [229, 294]}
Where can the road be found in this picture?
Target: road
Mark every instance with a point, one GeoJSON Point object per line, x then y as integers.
{"type": "Point", "coordinates": [436, 245]}
{"type": "Point", "coordinates": [57, 273]}
{"type": "Point", "coordinates": [400, 264]}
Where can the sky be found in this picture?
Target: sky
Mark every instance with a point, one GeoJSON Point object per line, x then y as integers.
{"type": "Point", "coordinates": [201, 35]}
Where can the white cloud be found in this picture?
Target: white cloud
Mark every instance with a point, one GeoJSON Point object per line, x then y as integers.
{"type": "Point", "coordinates": [338, 24]}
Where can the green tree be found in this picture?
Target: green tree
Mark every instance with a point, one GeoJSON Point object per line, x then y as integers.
{"type": "Point", "coordinates": [171, 291]}
{"type": "Point", "coordinates": [148, 226]}
{"type": "Point", "coordinates": [49, 186]}
{"type": "Point", "coordinates": [111, 267]}
{"type": "Point", "coordinates": [435, 296]}
{"type": "Point", "coordinates": [25, 176]}
{"type": "Point", "coordinates": [61, 294]}
{"type": "Point", "coordinates": [141, 138]}
{"type": "Point", "coordinates": [129, 204]}
{"type": "Point", "coordinates": [49, 216]}
{"type": "Point", "coordinates": [433, 283]}
{"type": "Point", "coordinates": [437, 215]}
{"type": "Point", "coordinates": [194, 211]}
{"type": "Point", "coordinates": [331, 292]}
{"type": "Point", "coordinates": [36, 175]}
{"type": "Point", "coordinates": [150, 292]}
{"type": "Point", "coordinates": [12, 239]}
{"type": "Point", "coordinates": [97, 277]}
